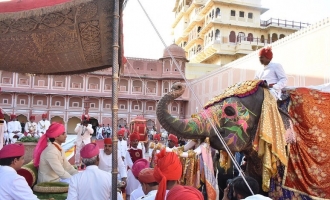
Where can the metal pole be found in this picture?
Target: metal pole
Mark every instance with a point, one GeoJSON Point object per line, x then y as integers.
{"type": "Point", "coordinates": [115, 77]}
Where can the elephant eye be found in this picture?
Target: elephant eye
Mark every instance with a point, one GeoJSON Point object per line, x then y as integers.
{"type": "Point", "coordinates": [230, 111]}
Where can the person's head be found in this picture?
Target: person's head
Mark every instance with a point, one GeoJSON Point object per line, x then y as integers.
{"type": "Point", "coordinates": [84, 123]}
{"type": "Point", "coordinates": [44, 116]}
{"type": "Point", "coordinates": [12, 155]}
{"type": "Point", "coordinates": [90, 154]}
{"type": "Point", "coordinates": [241, 190]}
{"type": "Point", "coordinates": [168, 171]}
{"type": "Point", "coordinates": [13, 117]}
{"type": "Point", "coordinates": [181, 192]}
{"type": "Point", "coordinates": [120, 134]}
{"type": "Point", "coordinates": [139, 165]}
{"type": "Point", "coordinates": [156, 138]}
{"type": "Point", "coordinates": [134, 139]}
{"type": "Point", "coordinates": [108, 146]}
{"type": "Point", "coordinates": [265, 55]}
{"type": "Point", "coordinates": [172, 141]}
{"type": "Point", "coordinates": [108, 125]}
{"type": "Point", "coordinates": [147, 180]}
{"type": "Point", "coordinates": [32, 118]}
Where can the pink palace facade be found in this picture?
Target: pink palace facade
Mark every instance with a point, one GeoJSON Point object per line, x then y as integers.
{"type": "Point", "coordinates": [64, 98]}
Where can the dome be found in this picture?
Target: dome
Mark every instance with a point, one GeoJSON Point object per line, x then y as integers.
{"type": "Point", "coordinates": [175, 50]}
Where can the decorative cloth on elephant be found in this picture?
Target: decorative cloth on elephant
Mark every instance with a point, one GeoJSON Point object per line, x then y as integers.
{"type": "Point", "coordinates": [138, 166]}
{"type": "Point", "coordinates": [168, 167]}
{"type": "Point", "coordinates": [12, 150]}
{"type": "Point", "coordinates": [107, 141]}
{"type": "Point", "coordinates": [267, 52]}
{"type": "Point", "coordinates": [32, 117]}
{"type": "Point", "coordinates": [90, 150]}
{"type": "Point", "coordinates": [121, 132]}
{"type": "Point", "coordinates": [12, 117]}
{"type": "Point", "coordinates": [134, 136]}
{"type": "Point", "coordinates": [147, 175]}
{"type": "Point", "coordinates": [188, 192]}
{"type": "Point", "coordinates": [54, 130]}
{"type": "Point", "coordinates": [174, 139]}
{"type": "Point", "coordinates": [270, 140]}
{"type": "Point", "coordinates": [157, 137]}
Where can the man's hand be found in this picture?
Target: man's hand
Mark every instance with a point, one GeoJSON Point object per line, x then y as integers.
{"type": "Point", "coordinates": [225, 193]}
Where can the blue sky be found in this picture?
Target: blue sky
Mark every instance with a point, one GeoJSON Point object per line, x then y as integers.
{"type": "Point", "coordinates": [142, 41]}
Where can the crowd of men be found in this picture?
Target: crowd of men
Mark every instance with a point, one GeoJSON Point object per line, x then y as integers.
{"type": "Point", "coordinates": [157, 177]}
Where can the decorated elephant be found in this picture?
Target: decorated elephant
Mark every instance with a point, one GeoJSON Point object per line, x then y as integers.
{"type": "Point", "coordinates": [247, 118]}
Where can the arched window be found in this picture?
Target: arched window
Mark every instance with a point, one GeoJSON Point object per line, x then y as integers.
{"type": "Point", "coordinates": [262, 39]}
{"type": "Point", "coordinates": [240, 36]}
{"type": "Point", "coordinates": [250, 37]}
{"type": "Point", "coordinates": [217, 35]}
{"type": "Point", "coordinates": [217, 12]}
{"type": "Point", "coordinates": [232, 36]}
{"type": "Point", "coordinates": [274, 37]}
{"type": "Point", "coordinates": [282, 36]}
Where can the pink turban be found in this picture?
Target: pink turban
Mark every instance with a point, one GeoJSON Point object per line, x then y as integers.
{"type": "Point", "coordinates": [267, 52]}
{"type": "Point", "coordinates": [179, 191]}
{"type": "Point", "coordinates": [90, 150]}
{"type": "Point", "coordinates": [138, 166]}
{"type": "Point", "coordinates": [12, 150]}
{"type": "Point", "coordinates": [168, 167]}
{"type": "Point", "coordinates": [54, 130]}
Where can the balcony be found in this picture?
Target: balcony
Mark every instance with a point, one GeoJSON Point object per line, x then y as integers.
{"type": "Point", "coordinates": [283, 23]}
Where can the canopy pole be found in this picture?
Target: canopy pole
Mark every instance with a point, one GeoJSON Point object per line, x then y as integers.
{"type": "Point", "coordinates": [115, 78]}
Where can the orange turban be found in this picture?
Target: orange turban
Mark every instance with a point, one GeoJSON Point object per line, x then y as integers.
{"type": "Point", "coordinates": [121, 132]}
{"type": "Point", "coordinates": [147, 175]}
{"type": "Point", "coordinates": [134, 136]}
{"type": "Point", "coordinates": [107, 141]}
{"type": "Point", "coordinates": [174, 139]}
{"type": "Point", "coordinates": [12, 150]}
{"type": "Point", "coordinates": [168, 167]}
{"type": "Point", "coordinates": [267, 52]}
{"type": "Point", "coordinates": [157, 136]}
{"type": "Point", "coordinates": [188, 192]}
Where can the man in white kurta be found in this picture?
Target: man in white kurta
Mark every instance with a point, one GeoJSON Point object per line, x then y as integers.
{"type": "Point", "coordinates": [105, 163]}
{"type": "Point", "coordinates": [150, 185]}
{"type": "Point", "coordinates": [14, 129]}
{"type": "Point", "coordinates": [80, 186]}
{"type": "Point", "coordinates": [43, 125]}
{"type": "Point", "coordinates": [99, 133]}
{"type": "Point", "coordinates": [122, 144]}
{"type": "Point", "coordinates": [31, 127]}
{"type": "Point", "coordinates": [84, 132]}
{"type": "Point", "coordinates": [12, 185]}
{"type": "Point", "coordinates": [273, 73]}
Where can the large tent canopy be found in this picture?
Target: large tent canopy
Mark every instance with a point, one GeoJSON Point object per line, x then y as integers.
{"type": "Point", "coordinates": [56, 36]}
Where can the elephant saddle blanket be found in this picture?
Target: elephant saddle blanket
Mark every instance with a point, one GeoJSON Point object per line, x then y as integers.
{"type": "Point", "coordinates": [308, 169]}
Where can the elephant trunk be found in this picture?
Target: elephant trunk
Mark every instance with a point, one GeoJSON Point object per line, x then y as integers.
{"type": "Point", "coordinates": [193, 128]}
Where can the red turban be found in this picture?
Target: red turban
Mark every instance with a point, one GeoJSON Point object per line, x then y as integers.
{"type": "Point", "coordinates": [121, 132]}
{"type": "Point", "coordinates": [12, 150]}
{"type": "Point", "coordinates": [85, 117]}
{"type": "Point", "coordinates": [174, 139]}
{"type": "Point", "coordinates": [12, 116]}
{"type": "Point", "coordinates": [32, 117]}
{"type": "Point", "coordinates": [134, 136]}
{"type": "Point", "coordinates": [44, 116]}
{"type": "Point", "coordinates": [54, 130]}
{"type": "Point", "coordinates": [267, 52]}
{"type": "Point", "coordinates": [138, 166]}
{"type": "Point", "coordinates": [168, 167]}
{"type": "Point", "coordinates": [157, 137]}
{"type": "Point", "coordinates": [107, 141]}
{"type": "Point", "coordinates": [90, 150]}
{"type": "Point", "coordinates": [147, 176]}
{"type": "Point", "coordinates": [188, 192]}
{"type": "Point", "coordinates": [2, 116]}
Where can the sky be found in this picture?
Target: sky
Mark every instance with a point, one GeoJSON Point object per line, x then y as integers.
{"type": "Point", "coordinates": [141, 40]}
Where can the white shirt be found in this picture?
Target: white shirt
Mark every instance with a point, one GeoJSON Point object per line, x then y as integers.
{"type": "Point", "coordinates": [30, 125]}
{"type": "Point", "coordinates": [14, 186]}
{"type": "Point", "coordinates": [43, 126]}
{"type": "Point", "coordinates": [150, 196]}
{"type": "Point", "coordinates": [273, 73]}
{"type": "Point", "coordinates": [82, 187]}
{"type": "Point", "coordinates": [256, 197]}
{"type": "Point", "coordinates": [83, 133]}
{"type": "Point", "coordinates": [105, 164]}
{"type": "Point", "coordinates": [14, 126]}
{"type": "Point", "coordinates": [122, 147]}
{"type": "Point", "coordinates": [137, 193]}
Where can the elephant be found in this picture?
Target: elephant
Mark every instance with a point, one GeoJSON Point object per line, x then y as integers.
{"type": "Point", "coordinates": [235, 117]}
